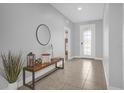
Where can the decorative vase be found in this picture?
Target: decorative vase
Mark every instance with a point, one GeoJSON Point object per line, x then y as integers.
{"type": "Point", "coordinates": [12, 86]}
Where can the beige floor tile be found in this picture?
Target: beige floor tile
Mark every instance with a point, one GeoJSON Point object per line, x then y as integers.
{"type": "Point", "coordinates": [49, 84]}
{"type": "Point", "coordinates": [24, 88]}
{"type": "Point", "coordinates": [70, 87]}
{"type": "Point", "coordinates": [92, 85]}
{"type": "Point", "coordinates": [75, 82]}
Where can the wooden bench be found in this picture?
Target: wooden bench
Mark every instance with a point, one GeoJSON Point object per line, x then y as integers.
{"type": "Point", "coordinates": [39, 67]}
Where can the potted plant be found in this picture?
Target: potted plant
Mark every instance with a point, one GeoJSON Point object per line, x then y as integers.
{"type": "Point", "coordinates": [12, 67]}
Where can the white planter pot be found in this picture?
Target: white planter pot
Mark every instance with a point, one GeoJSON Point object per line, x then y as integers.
{"type": "Point", "coordinates": [12, 86]}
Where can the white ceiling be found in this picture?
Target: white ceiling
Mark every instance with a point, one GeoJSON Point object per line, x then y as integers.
{"type": "Point", "coordinates": [90, 11]}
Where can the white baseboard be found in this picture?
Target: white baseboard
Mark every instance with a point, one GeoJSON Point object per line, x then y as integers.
{"type": "Point", "coordinates": [75, 57]}
{"type": "Point", "coordinates": [81, 57]}
{"type": "Point", "coordinates": [97, 58]}
{"type": "Point", "coordinates": [114, 88]}
{"type": "Point", "coordinates": [106, 77]}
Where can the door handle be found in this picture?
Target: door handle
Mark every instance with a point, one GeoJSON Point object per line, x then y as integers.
{"type": "Point", "coordinates": [81, 43]}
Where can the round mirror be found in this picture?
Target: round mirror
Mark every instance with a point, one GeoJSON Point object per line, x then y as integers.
{"type": "Point", "coordinates": [43, 34]}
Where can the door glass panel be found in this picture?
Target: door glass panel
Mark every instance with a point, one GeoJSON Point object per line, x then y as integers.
{"type": "Point", "coordinates": [87, 42]}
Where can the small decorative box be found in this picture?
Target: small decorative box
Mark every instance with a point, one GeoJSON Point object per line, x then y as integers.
{"type": "Point", "coordinates": [46, 58]}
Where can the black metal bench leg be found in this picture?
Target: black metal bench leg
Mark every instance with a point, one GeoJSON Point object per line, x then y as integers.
{"type": "Point", "coordinates": [62, 63]}
{"type": "Point", "coordinates": [56, 65]}
{"type": "Point", "coordinates": [23, 77]}
{"type": "Point", "coordinates": [62, 59]}
{"type": "Point", "coordinates": [33, 80]}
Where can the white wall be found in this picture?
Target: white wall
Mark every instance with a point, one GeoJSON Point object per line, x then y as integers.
{"type": "Point", "coordinates": [113, 44]}
{"type": "Point", "coordinates": [123, 46]}
{"type": "Point", "coordinates": [98, 37]}
{"type": "Point", "coordinates": [18, 23]}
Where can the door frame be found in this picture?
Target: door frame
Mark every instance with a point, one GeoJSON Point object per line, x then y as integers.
{"type": "Point", "coordinates": [93, 43]}
{"type": "Point", "coordinates": [69, 48]}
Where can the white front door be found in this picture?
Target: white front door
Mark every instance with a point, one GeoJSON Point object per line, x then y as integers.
{"type": "Point", "coordinates": [67, 37]}
{"type": "Point", "coordinates": [87, 41]}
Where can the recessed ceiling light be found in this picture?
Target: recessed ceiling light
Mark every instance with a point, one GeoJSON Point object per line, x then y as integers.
{"type": "Point", "coordinates": [79, 8]}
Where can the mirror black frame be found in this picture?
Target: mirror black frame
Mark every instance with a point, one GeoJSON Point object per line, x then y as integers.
{"type": "Point", "coordinates": [37, 35]}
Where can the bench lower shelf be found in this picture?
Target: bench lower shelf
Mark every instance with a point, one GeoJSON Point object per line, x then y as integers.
{"type": "Point", "coordinates": [33, 70]}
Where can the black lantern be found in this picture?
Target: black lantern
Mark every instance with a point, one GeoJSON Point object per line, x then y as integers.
{"type": "Point", "coordinates": [31, 59]}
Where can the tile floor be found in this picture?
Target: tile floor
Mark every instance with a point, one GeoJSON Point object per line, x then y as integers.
{"type": "Point", "coordinates": [78, 74]}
